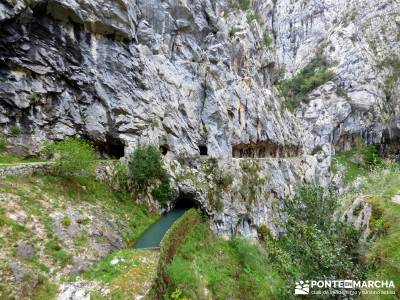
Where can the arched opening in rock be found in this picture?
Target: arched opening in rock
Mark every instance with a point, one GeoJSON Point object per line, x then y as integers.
{"type": "Point", "coordinates": [186, 201]}
{"type": "Point", "coordinates": [265, 150]}
{"type": "Point", "coordinates": [203, 150]}
{"type": "Point", "coordinates": [164, 149]}
{"type": "Point", "coordinates": [113, 147]}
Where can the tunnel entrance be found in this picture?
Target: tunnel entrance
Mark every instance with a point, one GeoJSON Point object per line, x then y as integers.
{"type": "Point", "coordinates": [164, 149]}
{"type": "Point", "coordinates": [265, 150]}
{"type": "Point", "coordinates": [112, 147]}
{"type": "Point", "coordinates": [153, 236]}
{"type": "Point", "coordinates": [203, 150]}
{"type": "Point", "coordinates": [186, 201]}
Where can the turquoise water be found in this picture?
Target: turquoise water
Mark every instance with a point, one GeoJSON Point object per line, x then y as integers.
{"type": "Point", "coordinates": [152, 237]}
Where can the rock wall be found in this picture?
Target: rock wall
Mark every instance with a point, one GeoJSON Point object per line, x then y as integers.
{"type": "Point", "coordinates": [175, 73]}
{"type": "Point", "coordinates": [197, 77]}
{"type": "Point", "coordinates": [241, 195]}
{"type": "Point", "coordinates": [361, 41]}
{"type": "Point", "coordinates": [25, 169]}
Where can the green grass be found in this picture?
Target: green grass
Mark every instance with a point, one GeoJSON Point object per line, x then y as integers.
{"type": "Point", "coordinates": [54, 249]}
{"type": "Point", "coordinates": [105, 271]}
{"type": "Point", "coordinates": [45, 291]}
{"type": "Point", "coordinates": [9, 159]}
{"type": "Point", "coordinates": [383, 255]}
{"type": "Point", "coordinates": [92, 191]}
{"type": "Point", "coordinates": [125, 273]}
{"type": "Point", "coordinates": [39, 196]}
{"type": "Point", "coordinates": [133, 218]}
{"type": "Point", "coordinates": [357, 162]}
{"type": "Point", "coordinates": [244, 4]}
{"type": "Point", "coordinates": [15, 130]}
{"type": "Point", "coordinates": [382, 182]}
{"type": "Point", "coordinates": [252, 15]}
{"type": "Point", "coordinates": [236, 269]}
{"type": "Point", "coordinates": [296, 89]}
{"type": "Point", "coordinates": [267, 39]}
{"type": "Point", "coordinates": [11, 231]}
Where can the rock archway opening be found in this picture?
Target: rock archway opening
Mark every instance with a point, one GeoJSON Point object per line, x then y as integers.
{"type": "Point", "coordinates": [203, 150]}
{"type": "Point", "coordinates": [186, 201]}
{"type": "Point", "coordinates": [164, 149]}
{"type": "Point", "coordinates": [265, 150]}
{"type": "Point", "coordinates": [112, 147]}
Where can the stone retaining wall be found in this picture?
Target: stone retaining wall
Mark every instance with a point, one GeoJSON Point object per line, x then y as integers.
{"type": "Point", "coordinates": [25, 169]}
{"type": "Point", "coordinates": [103, 169]}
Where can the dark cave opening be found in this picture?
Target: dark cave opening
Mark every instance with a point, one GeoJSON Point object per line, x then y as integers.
{"type": "Point", "coordinates": [203, 150]}
{"type": "Point", "coordinates": [186, 201]}
{"type": "Point", "coordinates": [265, 150]}
{"type": "Point", "coordinates": [112, 147]}
{"type": "Point", "coordinates": [164, 149]}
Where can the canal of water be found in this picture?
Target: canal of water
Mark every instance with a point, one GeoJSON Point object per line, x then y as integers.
{"type": "Point", "coordinates": [152, 237]}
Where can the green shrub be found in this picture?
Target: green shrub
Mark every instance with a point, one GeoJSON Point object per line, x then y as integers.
{"type": "Point", "coordinates": [145, 166]}
{"type": "Point", "coordinates": [315, 244]}
{"type": "Point", "coordinates": [252, 15]}
{"type": "Point", "coordinates": [357, 161]}
{"type": "Point", "coordinates": [267, 39]}
{"type": "Point", "coordinates": [244, 4]}
{"type": "Point", "coordinates": [34, 97]}
{"type": "Point", "coordinates": [264, 233]}
{"type": "Point", "coordinates": [74, 157]}
{"type": "Point", "coordinates": [15, 130]}
{"type": "Point", "coordinates": [3, 144]}
{"type": "Point", "coordinates": [296, 89]}
{"type": "Point", "coordinates": [145, 170]}
{"type": "Point", "coordinates": [371, 155]}
{"type": "Point", "coordinates": [162, 192]}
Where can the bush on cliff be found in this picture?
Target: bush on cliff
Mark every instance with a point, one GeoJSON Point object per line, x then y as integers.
{"type": "Point", "coordinates": [315, 246]}
{"type": "Point", "coordinates": [3, 144]}
{"type": "Point", "coordinates": [74, 157]}
{"type": "Point", "coordinates": [144, 170]}
{"type": "Point", "coordinates": [296, 89]}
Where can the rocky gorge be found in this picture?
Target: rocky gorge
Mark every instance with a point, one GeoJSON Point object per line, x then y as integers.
{"type": "Point", "coordinates": [198, 75]}
{"type": "Point", "coordinates": [245, 99]}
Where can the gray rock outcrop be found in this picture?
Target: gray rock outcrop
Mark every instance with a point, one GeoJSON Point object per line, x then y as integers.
{"type": "Point", "coordinates": [129, 72]}
{"type": "Point", "coordinates": [360, 40]}
{"type": "Point", "coordinates": [197, 78]}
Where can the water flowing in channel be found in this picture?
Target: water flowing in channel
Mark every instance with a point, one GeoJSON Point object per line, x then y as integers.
{"type": "Point", "coordinates": [152, 237]}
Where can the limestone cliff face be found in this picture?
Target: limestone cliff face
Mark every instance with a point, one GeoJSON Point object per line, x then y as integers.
{"type": "Point", "coordinates": [197, 77]}
{"type": "Point", "coordinates": [361, 40]}
{"type": "Point", "coordinates": [175, 73]}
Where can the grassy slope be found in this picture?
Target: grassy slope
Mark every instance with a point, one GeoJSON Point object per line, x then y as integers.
{"type": "Point", "coordinates": [209, 267]}
{"type": "Point", "coordinates": [7, 159]}
{"type": "Point", "coordinates": [127, 273]}
{"type": "Point", "coordinates": [239, 269]}
{"type": "Point", "coordinates": [383, 255]}
{"type": "Point", "coordinates": [381, 184]}
{"type": "Point", "coordinates": [356, 162]}
{"type": "Point", "coordinates": [38, 197]}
